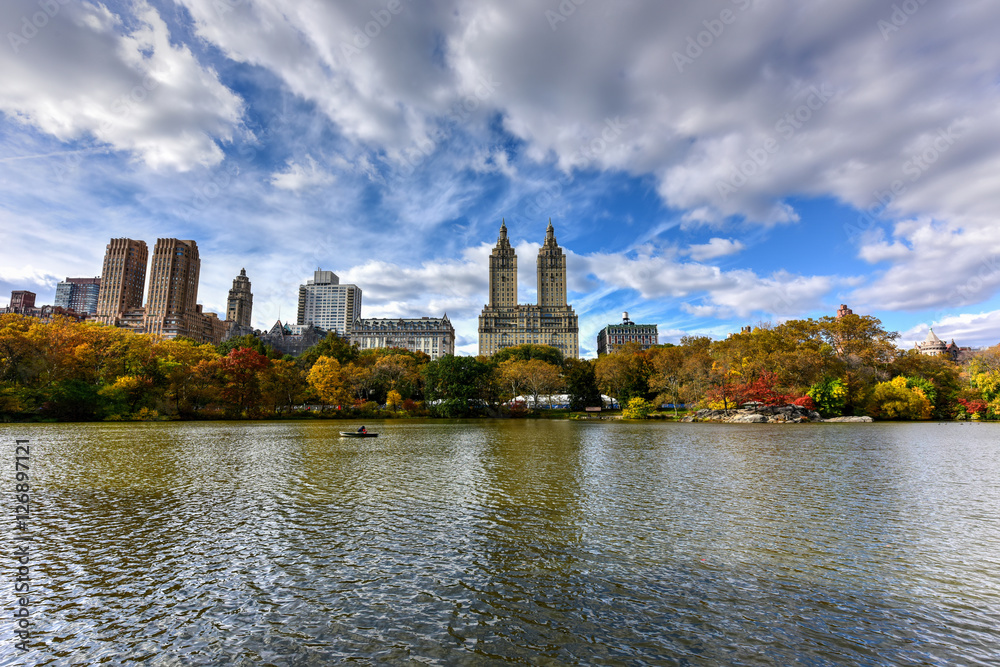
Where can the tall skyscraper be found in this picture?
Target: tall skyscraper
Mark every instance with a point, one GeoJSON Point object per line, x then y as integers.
{"type": "Point", "coordinates": [79, 294]}
{"type": "Point", "coordinates": [123, 278]}
{"type": "Point", "coordinates": [240, 301]}
{"type": "Point", "coordinates": [173, 289]}
{"type": "Point", "coordinates": [325, 303]}
{"type": "Point", "coordinates": [505, 323]}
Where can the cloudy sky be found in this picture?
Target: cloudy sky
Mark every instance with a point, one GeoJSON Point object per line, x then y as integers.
{"type": "Point", "coordinates": [706, 164]}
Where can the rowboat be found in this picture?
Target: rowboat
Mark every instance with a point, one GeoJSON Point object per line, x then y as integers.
{"type": "Point", "coordinates": [356, 434]}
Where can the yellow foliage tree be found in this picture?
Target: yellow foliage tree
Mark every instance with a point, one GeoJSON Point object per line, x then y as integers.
{"type": "Point", "coordinates": [327, 377]}
{"type": "Point", "coordinates": [894, 400]}
{"type": "Point", "coordinates": [393, 399]}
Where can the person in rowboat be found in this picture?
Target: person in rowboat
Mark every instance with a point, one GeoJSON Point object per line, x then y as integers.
{"type": "Point", "coordinates": [362, 429]}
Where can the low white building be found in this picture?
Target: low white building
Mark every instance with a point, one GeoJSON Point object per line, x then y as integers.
{"type": "Point", "coordinates": [434, 336]}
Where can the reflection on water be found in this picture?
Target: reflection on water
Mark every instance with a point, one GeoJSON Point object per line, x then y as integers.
{"type": "Point", "coordinates": [527, 542]}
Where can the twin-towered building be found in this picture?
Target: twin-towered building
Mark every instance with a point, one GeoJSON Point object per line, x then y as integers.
{"type": "Point", "coordinates": [171, 308]}
{"type": "Point", "coordinates": [505, 323]}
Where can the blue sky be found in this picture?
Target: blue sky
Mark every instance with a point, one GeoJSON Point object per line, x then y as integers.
{"type": "Point", "coordinates": [706, 165]}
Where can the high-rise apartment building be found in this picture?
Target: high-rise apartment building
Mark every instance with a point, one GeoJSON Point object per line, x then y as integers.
{"type": "Point", "coordinates": [123, 278]}
{"type": "Point", "coordinates": [240, 301]}
{"type": "Point", "coordinates": [325, 303]}
{"type": "Point", "coordinates": [171, 306]}
{"type": "Point", "coordinates": [505, 323]}
{"type": "Point", "coordinates": [79, 294]}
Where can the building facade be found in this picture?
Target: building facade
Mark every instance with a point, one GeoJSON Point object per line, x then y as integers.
{"type": "Point", "coordinates": [123, 279]}
{"type": "Point", "coordinates": [435, 336]}
{"type": "Point", "coordinates": [239, 307]}
{"type": "Point", "coordinates": [79, 294]}
{"type": "Point", "coordinates": [325, 303]}
{"type": "Point", "coordinates": [171, 308]}
{"type": "Point", "coordinates": [614, 336]}
{"type": "Point", "coordinates": [240, 302]}
{"type": "Point", "coordinates": [172, 304]}
{"type": "Point", "coordinates": [21, 301]}
{"type": "Point", "coordinates": [933, 346]}
{"type": "Point", "coordinates": [505, 323]}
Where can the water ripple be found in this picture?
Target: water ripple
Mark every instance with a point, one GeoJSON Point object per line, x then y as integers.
{"type": "Point", "coordinates": [543, 543]}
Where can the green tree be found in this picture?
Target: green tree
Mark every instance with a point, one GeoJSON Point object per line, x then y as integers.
{"type": "Point", "coordinates": [529, 351]}
{"type": "Point", "coordinates": [333, 346]}
{"type": "Point", "coordinates": [462, 382]}
{"type": "Point", "coordinates": [830, 396]}
{"type": "Point", "coordinates": [581, 384]}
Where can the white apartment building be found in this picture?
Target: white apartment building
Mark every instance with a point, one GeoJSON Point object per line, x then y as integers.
{"type": "Point", "coordinates": [325, 303]}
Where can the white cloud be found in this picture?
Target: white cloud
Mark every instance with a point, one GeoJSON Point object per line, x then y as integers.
{"type": "Point", "coordinates": [297, 177]}
{"type": "Point", "coordinates": [121, 80]}
{"type": "Point", "coordinates": [933, 265]}
{"type": "Point", "coordinates": [716, 247]}
{"type": "Point", "coordinates": [726, 293]}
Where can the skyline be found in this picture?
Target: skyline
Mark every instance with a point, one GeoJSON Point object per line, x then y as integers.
{"type": "Point", "coordinates": [705, 167]}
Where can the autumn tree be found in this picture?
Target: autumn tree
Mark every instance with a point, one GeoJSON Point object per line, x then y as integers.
{"type": "Point", "coordinates": [282, 384]}
{"type": "Point", "coordinates": [240, 372]}
{"type": "Point", "coordinates": [533, 375]}
{"type": "Point", "coordinates": [328, 379]}
{"type": "Point", "coordinates": [178, 358]}
{"type": "Point", "coordinates": [623, 373]}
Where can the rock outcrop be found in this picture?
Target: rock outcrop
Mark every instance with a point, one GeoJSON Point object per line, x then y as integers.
{"type": "Point", "coordinates": [763, 414]}
{"type": "Point", "coordinates": [849, 420]}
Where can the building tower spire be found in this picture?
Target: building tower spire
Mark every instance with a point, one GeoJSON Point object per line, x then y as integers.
{"type": "Point", "coordinates": [551, 269]}
{"type": "Point", "coordinates": [503, 271]}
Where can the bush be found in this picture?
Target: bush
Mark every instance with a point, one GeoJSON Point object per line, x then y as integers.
{"type": "Point", "coordinates": [637, 408]}
{"type": "Point", "coordinates": [895, 400]}
{"type": "Point", "coordinates": [830, 396]}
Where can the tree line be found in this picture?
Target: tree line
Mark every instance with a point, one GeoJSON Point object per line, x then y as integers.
{"type": "Point", "coordinates": [64, 370]}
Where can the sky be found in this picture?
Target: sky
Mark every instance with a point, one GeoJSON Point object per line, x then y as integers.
{"type": "Point", "coordinates": [706, 165]}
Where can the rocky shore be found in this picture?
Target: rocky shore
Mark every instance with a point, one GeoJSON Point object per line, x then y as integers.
{"type": "Point", "coordinates": [785, 414]}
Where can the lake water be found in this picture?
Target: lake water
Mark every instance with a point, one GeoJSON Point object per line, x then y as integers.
{"type": "Point", "coordinates": [493, 542]}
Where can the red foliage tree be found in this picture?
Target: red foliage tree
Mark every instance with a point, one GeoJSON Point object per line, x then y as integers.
{"type": "Point", "coordinates": [240, 373]}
